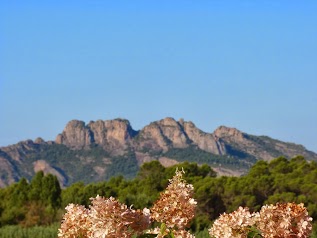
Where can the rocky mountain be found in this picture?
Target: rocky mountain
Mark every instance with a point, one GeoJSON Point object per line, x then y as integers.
{"type": "Point", "coordinates": [101, 149]}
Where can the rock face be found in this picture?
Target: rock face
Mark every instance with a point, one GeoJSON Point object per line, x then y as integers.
{"type": "Point", "coordinates": [174, 133]}
{"type": "Point", "coordinates": [7, 170]}
{"type": "Point", "coordinates": [205, 141]}
{"type": "Point", "coordinates": [95, 146]}
{"type": "Point", "coordinates": [113, 135]}
{"type": "Point", "coordinates": [75, 135]}
{"type": "Point", "coordinates": [18, 152]}
{"type": "Point", "coordinates": [117, 136]}
{"type": "Point", "coordinates": [168, 133]}
{"type": "Point", "coordinates": [227, 132]}
{"type": "Point", "coordinates": [151, 138]}
{"type": "Point", "coordinates": [162, 135]}
{"type": "Point", "coordinates": [260, 147]}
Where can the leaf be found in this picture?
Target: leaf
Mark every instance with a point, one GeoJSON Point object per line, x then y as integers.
{"type": "Point", "coordinates": [172, 234]}
{"type": "Point", "coordinates": [163, 228]}
{"type": "Point", "coordinates": [147, 236]}
{"type": "Point", "coordinates": [254, 233]}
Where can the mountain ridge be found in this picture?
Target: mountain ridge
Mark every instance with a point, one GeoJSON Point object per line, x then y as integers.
{"type": "Point", "coordinates": [96, 150]}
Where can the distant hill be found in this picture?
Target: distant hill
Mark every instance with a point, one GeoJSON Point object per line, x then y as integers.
{"type": "Point", "coordinates": [101, 149]}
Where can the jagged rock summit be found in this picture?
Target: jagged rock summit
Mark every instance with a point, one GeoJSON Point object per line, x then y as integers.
{"type": "Point", "coordinates": [101, 149]}
{"type": "Point", "coordinates": [117, 135]}
{"type": "Point", "coordinates": [112, 135]}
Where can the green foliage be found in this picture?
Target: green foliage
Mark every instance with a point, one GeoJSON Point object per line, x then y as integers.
{"type": "Point", "coordinates": [126, 166]}
{"type": "Point", "coordinates": [202, 234]}
{"type": "Point", "coordinates": [45, 190]}
{"type": "Point", "coordinates": [36, 186]}
{"type": "Point", "coordinates": [196, 155]}
{"type": "Point", "coordinates": [34, 232]}
{"type": "Point", "coordinates": [152, 174]}
{"type": "Point", "coordinates": [41, 201]}
{"type": "Point", "coordinates": [51, 191]}
{"type": "Point", "coordinates": [74, 194]}
{"type": "Point", "coordinates": [80, 165]}
{"type": "Point", "coordinates": [31, 204]}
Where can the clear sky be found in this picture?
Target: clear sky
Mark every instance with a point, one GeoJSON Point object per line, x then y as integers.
{"type": "Point", "coordinates": [251, 65]}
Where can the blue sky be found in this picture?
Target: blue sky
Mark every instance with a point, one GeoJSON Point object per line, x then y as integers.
{"type": "Point", "coordinates": [251, 65]}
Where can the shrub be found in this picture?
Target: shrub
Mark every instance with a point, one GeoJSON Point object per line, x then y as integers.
{"type": "Point", "coordinates": [171, 214]}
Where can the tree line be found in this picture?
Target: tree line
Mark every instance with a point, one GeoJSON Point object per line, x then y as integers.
{"type": "Point", "coordinates": [42, 201]}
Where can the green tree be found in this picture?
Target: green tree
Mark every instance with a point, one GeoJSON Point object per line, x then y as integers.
{"type": "Point", "coordinates": [74, 194]}
{"type": "Point", "coordinates": [36, 186]}
{"type": "Point", "coordinates": [51, 191]}
{"type": "Point", "coordinates": [153, 176]}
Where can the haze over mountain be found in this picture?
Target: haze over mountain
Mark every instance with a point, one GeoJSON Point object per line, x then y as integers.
{"type": "Point", "coordinates": [101, 149]}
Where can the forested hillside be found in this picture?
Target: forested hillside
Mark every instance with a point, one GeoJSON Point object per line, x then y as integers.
{"type": "Point", "coordinates": [42, 201]}
{"type": "Point", "coordinates": [99, 150]}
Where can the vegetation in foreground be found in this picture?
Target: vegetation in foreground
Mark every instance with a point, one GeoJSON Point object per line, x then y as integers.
{"type": "Point", "coordinates": [30, 232]}
{"type": "Point", "coordinates": [41, 201]}
{"type": "Point", "coordinates": [170, 216]}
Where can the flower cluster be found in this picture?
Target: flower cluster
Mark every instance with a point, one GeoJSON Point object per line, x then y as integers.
{"type": "Point", "coordinates": [109, 218]}
{"type": "Point", "coordinates": [287, 220]}
{"type": "Point", "coordinates": [105, 218]}
{"type": "Point", "coordinates": [176, 206]}
{"type": "Point", "coordinates": [235, 224]}
{"type": "Point", "coordinates": [174, 210]}
{"type": "Point", "coordinates": [75, 222]}
{"type": "Point", "coordinates": [284, 220]}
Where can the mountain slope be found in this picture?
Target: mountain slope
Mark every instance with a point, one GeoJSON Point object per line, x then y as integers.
{"type": "Point", "coordinates": [101, 149]}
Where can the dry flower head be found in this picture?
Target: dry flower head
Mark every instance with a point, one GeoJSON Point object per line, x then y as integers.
{"type": "Point", "coordinates": [176, 206]}
{"type": "Point", "coordinates": [284, 221]}
{"type": "Point", "coordinates": [235, 224]}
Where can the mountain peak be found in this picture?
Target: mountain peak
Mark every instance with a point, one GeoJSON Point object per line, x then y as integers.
{"type": "Point", "coordinates": [223, 131]}
{"type": "Point", "coordinates": [75, 135]}
{"type": "Point", "coordinates": [112, 135]}
{"type": "Point", "coordinates": [91, 152]}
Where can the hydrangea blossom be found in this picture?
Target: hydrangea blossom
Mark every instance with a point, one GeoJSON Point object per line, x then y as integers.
{"type": "Point", "coordinates": [289, 220]}
{"type": "Point", "coordinates": [105, 218]}
{"type": "Point", "coordinates": [109, 218]}
{"type": "Point", "coordinates": [176, 206]}
{"type": "Point", "coordinates": [284, 221]}
{"type": "Point", "coordinates": [75, 222]}
{"type": "Point", "coordinates": [235, 224]}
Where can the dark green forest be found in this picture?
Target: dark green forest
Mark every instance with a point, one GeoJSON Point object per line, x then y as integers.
{"type": "Point", "coordinates": [41, 201]}
{"type": "Point", "coordinates": [79, 165]}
